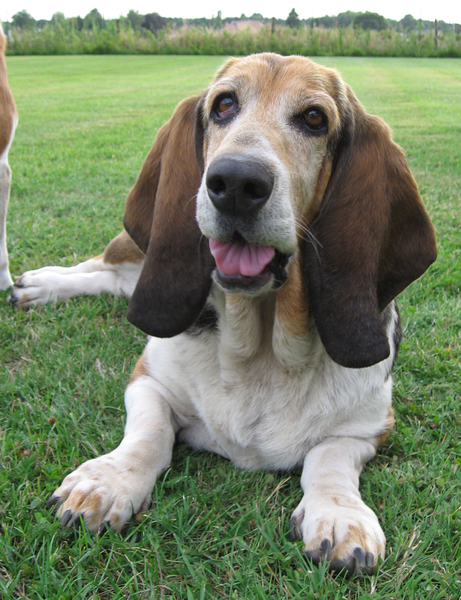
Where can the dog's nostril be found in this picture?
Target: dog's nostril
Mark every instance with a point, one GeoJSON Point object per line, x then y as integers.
{"type": "Point", "coordinates": [216, 185]}
{"type": "Point", "coordinates": [256, 190]}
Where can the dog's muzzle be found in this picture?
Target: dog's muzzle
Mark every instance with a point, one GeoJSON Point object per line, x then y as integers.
{"type": "Point", "coordinates": [239, 186]}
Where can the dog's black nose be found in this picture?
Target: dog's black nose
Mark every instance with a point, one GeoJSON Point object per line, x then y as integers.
{"type": "Point", "coordinates": [239, 185]}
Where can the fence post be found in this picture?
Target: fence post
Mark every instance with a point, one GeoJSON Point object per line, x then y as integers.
{"type": "Point", "coordinates": [435, 38]}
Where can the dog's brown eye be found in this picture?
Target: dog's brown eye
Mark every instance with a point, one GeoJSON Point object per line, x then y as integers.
{"type": "Point", "coordinates": [312, 122]}
{"type": "Point", "coordinates": [315, 119]}
{"type": "Point", "coordinates": [225, 106]}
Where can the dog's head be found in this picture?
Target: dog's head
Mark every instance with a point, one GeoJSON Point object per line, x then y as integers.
{"type": "Point", "coordinates": [278, 159]}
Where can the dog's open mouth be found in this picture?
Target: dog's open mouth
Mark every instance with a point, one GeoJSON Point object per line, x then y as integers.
{"type": "Point", "coordinates": [242, 265]}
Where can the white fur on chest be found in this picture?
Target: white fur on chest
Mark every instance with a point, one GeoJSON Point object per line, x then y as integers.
{"type": "Point", "coordinates": [256, 411]}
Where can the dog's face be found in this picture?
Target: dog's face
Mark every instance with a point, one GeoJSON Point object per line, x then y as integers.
{"type": "Point", "coordinates": [267, 124]}
{"type": "Point", "coordinates": [284, 164]}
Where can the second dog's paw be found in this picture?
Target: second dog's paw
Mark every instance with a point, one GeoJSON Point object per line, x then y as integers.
{"type": "Point", "coordinates": [32, 289]}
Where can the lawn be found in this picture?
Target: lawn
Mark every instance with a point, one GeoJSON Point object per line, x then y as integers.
{"type": "Point", "coordinates": [86, 124]}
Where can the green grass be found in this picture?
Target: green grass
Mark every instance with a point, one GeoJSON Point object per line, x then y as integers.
{"type": "Point", "coordinates": [86, 124]}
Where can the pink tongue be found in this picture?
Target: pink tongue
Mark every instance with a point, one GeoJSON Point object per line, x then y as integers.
{"type": "Point", "coordinates": [241, 258]}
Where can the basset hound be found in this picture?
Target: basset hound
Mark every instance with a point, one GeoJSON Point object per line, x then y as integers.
{"type": "Point", "coordinates": [8, 122]}
{"type": "Point", "coordinates": [272, 225]}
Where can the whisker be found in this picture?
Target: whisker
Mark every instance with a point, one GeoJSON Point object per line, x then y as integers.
{"type": "Point", "coordinates": [309, 236]}
{"type": "Point", "coordinates": [194, 197]}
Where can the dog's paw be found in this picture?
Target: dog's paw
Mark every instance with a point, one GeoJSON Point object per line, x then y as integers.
{"type": "Point", "coordinates": [105, 492]}
{"type": "Point", "coordinates": [340, 530]}
{"type": "Point", "coordinates": [34, 288]}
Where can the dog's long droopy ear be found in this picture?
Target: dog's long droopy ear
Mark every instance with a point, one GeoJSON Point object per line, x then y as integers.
{"type": "Point", "coordinates": [160, 217]}
{"type": "Point", "coordinates": [374, 238]}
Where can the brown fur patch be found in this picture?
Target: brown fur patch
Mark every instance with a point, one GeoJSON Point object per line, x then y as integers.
{"type": "Point", "coordinates": [291, 305]}
{"type": "Point", "coordinates": [323, 529]}
{"type": "Point", "coordinates": [356, 537]}
{"type": "Point", "coordinates": [313, 208]}
{"type": "Point", "coordinates": [91, 501]}
{"type": "Point", "coordinates": [7, 105]}
{"type": "Point", "coordinates": [122, 249]}
{"type": "Point", "coordinates": [141, 369]}
{"type": "Point", "coordinates": [389, 425]}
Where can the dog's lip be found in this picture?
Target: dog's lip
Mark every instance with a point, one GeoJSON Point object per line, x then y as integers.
{"type": "Point", "coordinates": [243, 281]}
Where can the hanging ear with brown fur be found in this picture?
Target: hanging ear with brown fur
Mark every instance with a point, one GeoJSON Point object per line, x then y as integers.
{"type": "Point", "coordinates": [160, 217]}
{"type": "Point", "coordinates": [374, 238]}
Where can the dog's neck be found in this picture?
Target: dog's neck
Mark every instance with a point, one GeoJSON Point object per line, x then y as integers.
{"type": "Point", "coordinates": [277, 322]}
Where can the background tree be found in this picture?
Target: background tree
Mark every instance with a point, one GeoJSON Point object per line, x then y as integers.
{"type": "Point", "coordinates": [408, 22]}
{"type": "Point", "coordinates": [23, 20]}
{"type": "Point", "coordinates": [76, 22]}
{"type": "Point", "coordinates": [345, 19]}
{"type": "Point", "coordinates": [217, 21]}
{"type": "Point", "coordinates": [293, 19]}
{"type": "Point", "coordinates": [369, 20]}
{"type": "Point", "coordinates": [154, 22]}
{"type": "Point", "coordinates": [58, 18]}
{"type": "Point", "coordinates": [135, 19]}
{"type": "Point", "coordinates": [327, 22]}
{"type": "Point", "coordinates": [93, 19]}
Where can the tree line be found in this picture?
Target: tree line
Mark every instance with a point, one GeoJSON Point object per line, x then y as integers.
{"type": "Point", "coordinates": [347, 34]}
{"type": "Point", "coordinates": [154, 22]}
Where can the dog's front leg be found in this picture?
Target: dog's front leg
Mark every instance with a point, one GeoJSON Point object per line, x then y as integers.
{"type": "Point", "coordinates": [107, 490]}
{"type": "Point", "coordinates": [5, 182]}
{"type": "Point", "coordinates": [332, 520]}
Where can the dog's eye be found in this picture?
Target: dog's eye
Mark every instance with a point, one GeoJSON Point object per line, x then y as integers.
{"type": "Point", "coordinates": [314, 121]}
{"type": "Point", "coordinates": [224, 106]}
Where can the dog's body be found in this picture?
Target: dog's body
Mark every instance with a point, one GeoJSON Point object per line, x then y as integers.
{"type": "Point", "coordinates": [8, 122]}
{"type": "Point", "coordinates": [274, 338]}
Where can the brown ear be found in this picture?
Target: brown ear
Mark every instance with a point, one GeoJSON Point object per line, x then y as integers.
{"type": "Point", "coordinates": [374, 238]}
{"type": "Point", "coordinates": [160, 217]}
